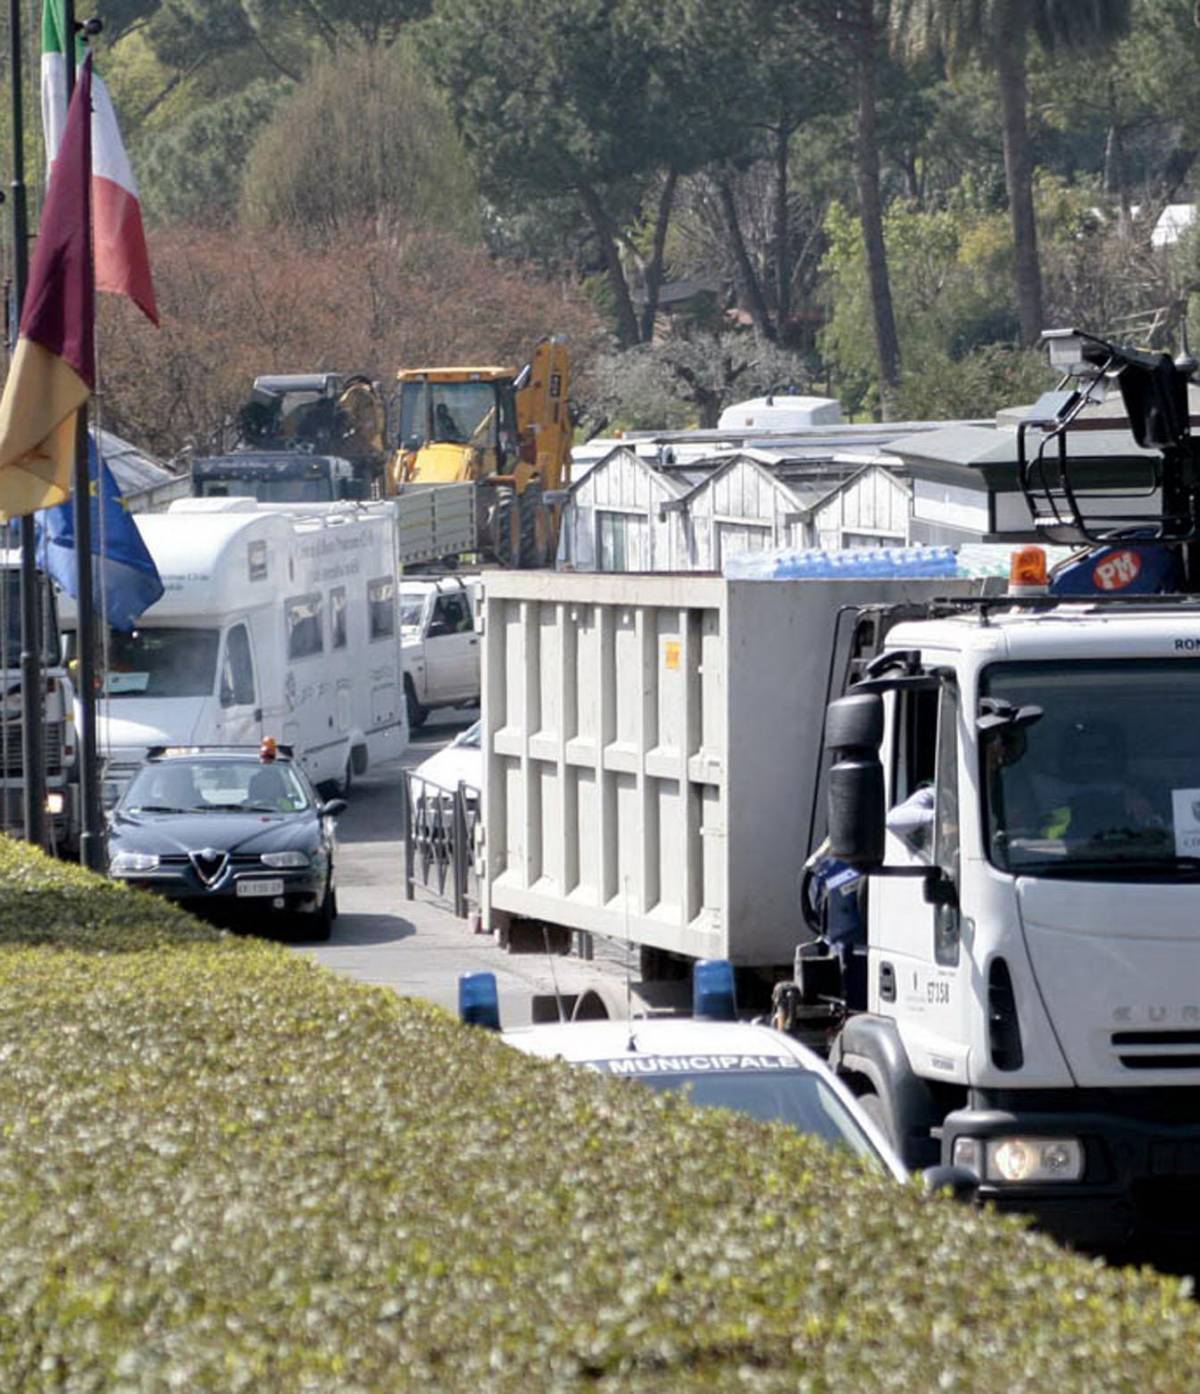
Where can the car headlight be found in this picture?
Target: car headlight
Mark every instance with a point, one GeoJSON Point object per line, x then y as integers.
{"type": "Point", "coordinates": [125, 862]}
{"type": "Point", "coordinates": [286, 859]}
{"type": "Point", "coordinates": [1022, 1160]}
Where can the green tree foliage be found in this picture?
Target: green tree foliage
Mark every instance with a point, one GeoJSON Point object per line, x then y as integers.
{"type": "Point", "coordinates": [596, 99]}
{"type": "Point", "coordinates": [999, 32]}
{"type": "Point", "coordinates": [192, 171]}
{"type": "Point", "coordinates": [365, 136]}
{"type": "Point", "coordinates": [688, 378]}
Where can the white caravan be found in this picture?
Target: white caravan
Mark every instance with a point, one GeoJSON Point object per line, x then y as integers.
{"type": "Point", "coordinates": [274, 623]}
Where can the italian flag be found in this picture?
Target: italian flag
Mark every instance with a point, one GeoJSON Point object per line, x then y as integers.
{"type": "Point", "coordinates": [118, 238]}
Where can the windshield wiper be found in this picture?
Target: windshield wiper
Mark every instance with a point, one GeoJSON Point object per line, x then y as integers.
{"type": "Point", "coordinates": [158, 808]}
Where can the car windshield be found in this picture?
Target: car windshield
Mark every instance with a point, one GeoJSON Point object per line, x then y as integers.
{"type": "Point", "coordinates": [1106, 782]}
{"type": "Point", "coordinates": [771, 1094]}
{"type": "Point", "coordinates": [205, 786]}
{"type": "Point", "coordinates": [411, 609]}
{"type": "Point", "coordinates": [162, 662]}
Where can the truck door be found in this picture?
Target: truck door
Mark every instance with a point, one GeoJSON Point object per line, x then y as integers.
{"type": "Point", "coordinates": [451, 650]}
{"type": "Point", "coordinates": [916, 969]}
{"type": "Point", "coordinates": [240, 718]}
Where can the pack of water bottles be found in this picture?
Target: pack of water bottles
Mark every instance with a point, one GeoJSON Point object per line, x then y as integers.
{"type": "Point", "coordinates": [851, 563]}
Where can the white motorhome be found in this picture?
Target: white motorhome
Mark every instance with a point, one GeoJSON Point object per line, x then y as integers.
{"type": "Point", "coordinates": [274, 623]}
{"type": "Point", "coordinates": [438, 627]}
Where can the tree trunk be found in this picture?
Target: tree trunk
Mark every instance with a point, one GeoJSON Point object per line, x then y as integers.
{"type": "Point", "coordinates": [781, 234]}
{"type": "Point", "coordinates": [1018, 169]}
{"type": "Point", "coordinates": [654, 270]}
{"type": "Point", "coordinates": [751, 290]}
{"type": "Point", "coordinates": [866, 168]}
{"type": "Point", "coordinates": [627, 324]}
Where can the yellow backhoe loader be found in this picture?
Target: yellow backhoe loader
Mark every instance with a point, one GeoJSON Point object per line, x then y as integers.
{"type": "Point", "coordinates": [507, 432]}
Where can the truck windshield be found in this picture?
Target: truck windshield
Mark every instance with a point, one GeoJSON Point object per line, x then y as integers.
{"type": "Point", "coordinates": [10, 620]}
{"type": "Point", "coordinates": [1106, 783]}
{"type": "Point", "coordinates": [162, 662]}
{"type": "Point", "coordinates": [461, 413]}
{"type": "Point", "coordinates": [312, 490]}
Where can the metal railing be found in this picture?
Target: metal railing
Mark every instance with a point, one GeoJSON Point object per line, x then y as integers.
{"type": "Point", "coordinates": [440, 834]}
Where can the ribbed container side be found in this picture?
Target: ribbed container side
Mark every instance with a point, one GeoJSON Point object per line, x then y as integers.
{"type": "Point", "coordinates": [651, 745]}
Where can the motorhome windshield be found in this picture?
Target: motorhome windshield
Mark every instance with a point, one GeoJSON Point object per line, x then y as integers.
{"type": "Point", "coordinates": [162, 662]}
{"type": "Point", "coordinates": [1106, 783]}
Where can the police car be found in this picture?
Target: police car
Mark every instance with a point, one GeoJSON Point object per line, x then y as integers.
{"type": "Point", "coordinates": [718, 1061]}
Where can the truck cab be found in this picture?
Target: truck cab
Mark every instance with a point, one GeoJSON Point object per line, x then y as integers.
{"type": "Point", "coordinates": [440, 643]}
{"type": "Point", "coordinates": [1028, 827]}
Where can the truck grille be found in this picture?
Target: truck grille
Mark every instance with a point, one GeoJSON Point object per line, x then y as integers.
{"type": "Point", "coordinates": [12, 766]}
{"type": "Point", "coordinates": [1158, 1050]}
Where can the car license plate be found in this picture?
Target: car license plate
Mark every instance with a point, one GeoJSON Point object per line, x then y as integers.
{"type": "Point", "coordinates": [273, 887]}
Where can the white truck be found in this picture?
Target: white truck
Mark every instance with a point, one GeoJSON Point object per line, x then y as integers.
{"type": "Point", "coordinates": [1012, 808]}
{"type": "Point", "coordinates": [58, 727]}
{"type": "Point", "coordinates": [274, 623]}
{"type": "Point", "coordinates": [441, 646]}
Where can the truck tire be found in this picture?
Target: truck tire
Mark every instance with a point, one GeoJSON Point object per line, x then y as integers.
{"type": "Point", "coordinates": [417, 714]}
{"type": "Point", "coordinates": [505, 534]}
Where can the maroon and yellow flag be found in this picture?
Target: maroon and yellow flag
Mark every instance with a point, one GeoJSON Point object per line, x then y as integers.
{"type": "Point", "coordinates": [53, 369]}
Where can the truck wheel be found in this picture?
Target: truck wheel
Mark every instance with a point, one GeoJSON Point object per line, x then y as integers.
{"type": "Point", "coordinates": [417, 714]}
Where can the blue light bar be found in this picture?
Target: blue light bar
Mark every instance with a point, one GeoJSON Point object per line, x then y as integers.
{"type": "Point", "coordinates": [712, 990]}
{"type": "Point", "coordinates": [479, 1000]}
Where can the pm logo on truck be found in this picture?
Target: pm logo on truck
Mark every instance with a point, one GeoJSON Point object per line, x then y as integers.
{"type": "Point", "coordinates": [1116, 571]}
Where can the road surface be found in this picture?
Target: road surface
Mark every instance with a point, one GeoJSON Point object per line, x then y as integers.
{"type": "Point", "coordinates": [416, 947]}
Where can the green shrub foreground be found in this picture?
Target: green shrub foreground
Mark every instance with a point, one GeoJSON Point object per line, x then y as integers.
{"type": "Point", "coordinates": [222, 1168]}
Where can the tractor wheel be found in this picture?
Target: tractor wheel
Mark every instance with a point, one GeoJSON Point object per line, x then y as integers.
{"type": "Point", "coordinates": [505, 539]}
{"type": "Point", "coordinates": [535, 530]}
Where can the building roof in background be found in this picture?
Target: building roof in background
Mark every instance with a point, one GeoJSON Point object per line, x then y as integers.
{"type": "Point", "coordinates": [134, 470]}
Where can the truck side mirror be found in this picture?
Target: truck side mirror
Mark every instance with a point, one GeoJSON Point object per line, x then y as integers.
{"type": "Point", "coordinates": [853, 730]}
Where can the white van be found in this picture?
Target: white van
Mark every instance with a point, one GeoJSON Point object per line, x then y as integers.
{"type": "Point", "coordinates": [274, 623]}
{"type": "Point", "coordinates": [439, 631]}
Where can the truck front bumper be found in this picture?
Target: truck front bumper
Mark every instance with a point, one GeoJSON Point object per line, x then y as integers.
{"type": "Point", "coordinates": [1140, 1182]}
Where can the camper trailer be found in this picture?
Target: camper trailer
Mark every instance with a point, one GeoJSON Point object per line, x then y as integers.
{"type": "Point", "coordinates": [274, 623]}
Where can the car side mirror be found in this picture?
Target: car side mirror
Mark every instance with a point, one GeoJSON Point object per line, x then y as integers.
{"type": "Point", "coordinates": [961, 1182]}
{"type": "Point", "coordinates": [332, 808]}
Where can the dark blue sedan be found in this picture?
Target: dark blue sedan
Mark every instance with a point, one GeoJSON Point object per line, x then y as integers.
{"type": "Point", "coordinates": [231, 834]}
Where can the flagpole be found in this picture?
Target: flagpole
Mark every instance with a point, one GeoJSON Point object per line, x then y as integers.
{"type": "Point", "coordinates": [91, 834]}
{"type": "Point", "coordinates": [33, 743]}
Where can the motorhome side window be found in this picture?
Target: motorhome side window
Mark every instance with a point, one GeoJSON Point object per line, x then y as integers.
{"type": "Point", "coordinates": [381, 608]}
{"type": "Point", "coordinates": [304, 626]}
{"type": "Point", "coordinates": [237, 671]}
{"type": "Point", "coordinates": [337, 617]}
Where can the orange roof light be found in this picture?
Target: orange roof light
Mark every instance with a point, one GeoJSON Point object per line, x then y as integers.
{"type": "Point", "coordinates": [1027, 572]}
{"type": "Point", "coordinates": [267, 750]}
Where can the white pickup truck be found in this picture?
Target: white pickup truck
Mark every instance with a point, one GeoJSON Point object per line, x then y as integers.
{"type": "Point", "coordinates": [440, 643]}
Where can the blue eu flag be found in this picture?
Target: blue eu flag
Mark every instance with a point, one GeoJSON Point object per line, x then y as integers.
{"type": "Point", "coordinates": [126, 581]}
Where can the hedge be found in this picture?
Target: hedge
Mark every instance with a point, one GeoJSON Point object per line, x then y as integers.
{"type": "Point", "coordinates": [223, 1168]}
